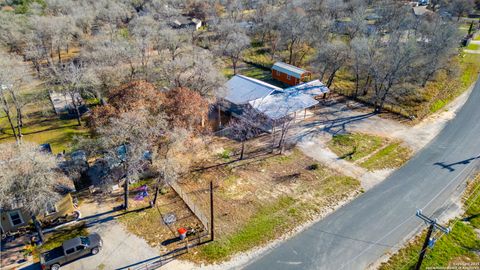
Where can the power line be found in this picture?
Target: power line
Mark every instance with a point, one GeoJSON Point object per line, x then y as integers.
{"type": "Point", "coordinates": [429, 241]}
{"type": "Point", "coordinates": [406, 220]}
{"type": "Point", "coordinates": [454, 223]}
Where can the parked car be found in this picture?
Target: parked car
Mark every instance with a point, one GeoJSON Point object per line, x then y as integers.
{"type": "Point", "coordinates": [71, 250]}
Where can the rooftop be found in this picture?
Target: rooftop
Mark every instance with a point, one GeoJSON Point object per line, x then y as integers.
{"type": "Point", "coordinates": [313, 88]}
{"type": "Point", "coordinates": [289, 69]}
{"type": "Point", "coordinates": [279, 105]}
{"type": "Point", "coordinates": [242, 89]}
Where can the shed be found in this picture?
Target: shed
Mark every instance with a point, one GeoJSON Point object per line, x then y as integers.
{"type": "Point", "coordinates": [184, 22]}
{"type": "Point", "coordinates": [289, 74]}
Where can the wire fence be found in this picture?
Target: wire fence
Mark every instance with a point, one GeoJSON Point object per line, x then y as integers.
{"type": "Point", "coordinates": [197, 210]}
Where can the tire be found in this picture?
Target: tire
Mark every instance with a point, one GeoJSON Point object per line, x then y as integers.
{"type": "Point", "coordinates": [95, 251]}
{"type": "Point", "coordinates": [55, 267]}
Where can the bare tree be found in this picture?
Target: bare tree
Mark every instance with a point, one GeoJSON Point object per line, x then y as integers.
{"type": "Point", "coordinates": [128, 144]}
{"type": "Point", "coordinates": [459, 8]}
{"type": "Point", "coordinates": [72, 81]}
{"type": "Point", "coordinates": [29, 180]}
{"type": "Point", "coordinates": [233, 43]}
{"type": "Point", "coordinates": [171, 40]}
{"type": "Point", "coordinates": [244, 129]}
{"type": "Point", "coordinates": [293, 27]}
{"type": "Point", "coordinates": [438, 43]}
{"type": "Point", "coordinates": [13, 75]}
{"type": "Point", "coordinates": [390, 63]}
{"type": "Point", "coordinates": [332, 56]}
{"type": "Point", "coordinates": [195, 70]}
{"type": "Point", "coordinates": [167, 159]}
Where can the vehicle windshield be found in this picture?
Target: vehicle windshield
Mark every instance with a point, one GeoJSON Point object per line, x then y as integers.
{"type": "Point", "coordinates": [85, 241]}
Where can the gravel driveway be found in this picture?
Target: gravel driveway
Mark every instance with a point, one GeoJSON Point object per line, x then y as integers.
{"type": "Point", "coordinates": [120, 251]}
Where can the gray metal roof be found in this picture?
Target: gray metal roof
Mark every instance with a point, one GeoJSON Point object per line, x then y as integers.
{"type": "Point", "coordinates": [313, 88]}
{"type": "Point", "coordinates": [289, 69]}
{"type": "Point", "coordinates": [242, 89]}
{"type": "Point", "coordinates": [279, 105]}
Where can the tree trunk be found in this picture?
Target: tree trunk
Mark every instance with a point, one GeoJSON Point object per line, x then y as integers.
{"type": "Point", "coordinates": [38, 228]}
{"type": "Point", "coordinates": [125, 194]}
{"type": "Point", "coordinates": [9, 117]}
{"type": "Point", "coordinates": [59, 55]}
{"type": "Point", "coordinates": [155, 196]}
{"type": "Point", "coordinates": [357, 82]}
{"type": "Point", "coordinates": [273, 138]}
{"type": "Point", "coordinates": [242, 150]}
{"type": "Point", "coordinates": [12, 126]}
{"type": "Point", "coordinates": [290, 52]}
{"type": "Point", "coordinates": [77, 110]}
{"type": "Point", "coordinates": [19, 123]}
{"type": "Point", "coordinates": [366, 86]}
{"type": "Point", "coordinates": [18, 109]}
{"type": "Point", "coordinates": [234, 65]}
{"type": "Point", "coordinates": [332, 76]}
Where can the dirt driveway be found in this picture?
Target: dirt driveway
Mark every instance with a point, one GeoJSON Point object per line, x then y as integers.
{"type": "Point", "coordinates": [121, 250]}
{"type": "Point", "coordinates": [338, 115]}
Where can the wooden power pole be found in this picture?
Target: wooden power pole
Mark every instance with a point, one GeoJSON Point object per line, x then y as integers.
{"type": "Point", "coordinates": [212, 227]}
{"type": "Point", "coordinates": [428, 240]}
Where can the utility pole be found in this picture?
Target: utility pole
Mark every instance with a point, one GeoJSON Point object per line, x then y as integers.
{"type": "Point", "coordinates": [428, 240]}
{"type": "Point", "coordinates": [212, 228]}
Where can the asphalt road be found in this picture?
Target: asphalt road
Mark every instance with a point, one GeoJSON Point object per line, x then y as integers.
{"type": "Point", "coordinates": [358, 234]}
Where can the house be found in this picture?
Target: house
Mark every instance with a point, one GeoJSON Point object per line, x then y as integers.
{"type": "Point", "coordinates": [13, 219]}
{"type": "Point", "coordinates": [289, 74]}
{"type": "Point", "coordinates": [184, 22]}
{"type": "Point", "coordinates": [420, 11]}
{"type": "Point", "coordinates": [280, 107]}
{"type": "Point", "coordinates": [315, 89]}
{"type": "Point", "coordinates": [274, 104]}
{"type": "Point", "coordinates": [240, 90]}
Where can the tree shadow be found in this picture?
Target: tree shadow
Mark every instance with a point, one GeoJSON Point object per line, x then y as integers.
{"type": "Point", "coordinates": [450, 168]}
{"type": "Point", "coordinates": [109, 217]}
{"type": "Point", "coordinates": [469, 218]}
{"type": "Point", "coordinates": [334, 126]}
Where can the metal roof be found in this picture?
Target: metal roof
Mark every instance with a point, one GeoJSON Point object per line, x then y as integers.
{"type": "Point", "coordinates": [242, 89]}
{"type": "Point", "coordinates": [313, 88]}
{"type": "Point", "coordinates": [289, 69]}
{"type": "Point", "coordinates": [279, 105]}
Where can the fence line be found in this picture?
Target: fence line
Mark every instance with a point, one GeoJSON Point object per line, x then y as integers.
{"type": "Point", "coordinates": [197, 211]}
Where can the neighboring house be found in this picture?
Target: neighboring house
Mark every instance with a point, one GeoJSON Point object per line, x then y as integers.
{"type": "Point", "coordinates": [420, 11]}
{"type": "Point", "coordinates": [289, 74]}
{"type": "Point", "coordinates": [12, 219]}
{"type": "Point", "coordinates": [184, 22]}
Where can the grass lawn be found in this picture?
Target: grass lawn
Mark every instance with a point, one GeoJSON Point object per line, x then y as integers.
{"type": "Point", "coordinates": [459, 247]}
{"type": "Point", "coordinates": [148, 223]}
{"type": "Point", "coordinates": [57, 132]}
{"type": "Point", "coordinates": [472, 46]}
{"type": "Point", "coordinates": [260, 199]}
{"type": "Point", "coordinates": [392, 156]}
{"type": "Point", "coordinates": [355, 145]}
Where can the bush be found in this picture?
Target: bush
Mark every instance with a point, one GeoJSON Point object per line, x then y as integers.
{"type": "Point", "coordinates": [225, 154]}
{"type": "Point", "coordinates": [313, 167]}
